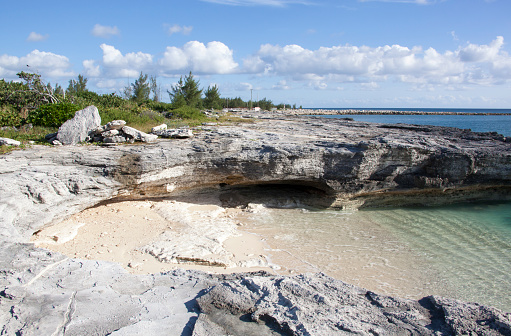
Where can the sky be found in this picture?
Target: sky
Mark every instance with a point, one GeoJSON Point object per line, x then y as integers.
{"type": "Point", "coordinates": [315, 54]}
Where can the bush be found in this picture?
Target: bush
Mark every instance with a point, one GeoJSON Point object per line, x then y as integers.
{"type": "Point", "coordinates": [159, 106]}
{"type": "Point", "coordinates": [87, 98]}
{"type": "Point", "coordinates": [53, 115]}
{"type": "Point", "coordinates": [131, 118]}
{"type": "Point", "coordinates": [9, 116]}
{"type": "Point", "coordinates": [187, 112]}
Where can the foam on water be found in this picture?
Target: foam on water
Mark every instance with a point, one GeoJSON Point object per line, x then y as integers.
{"type": "Point", "coordinates": [460, 251]}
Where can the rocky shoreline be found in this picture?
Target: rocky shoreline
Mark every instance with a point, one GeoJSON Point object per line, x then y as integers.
{"type": "Point", "coordinates": [390, 112]}
{"type": "Point", "coordinates": [334, 163]}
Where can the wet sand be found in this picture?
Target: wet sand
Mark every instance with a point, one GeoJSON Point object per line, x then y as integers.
{"type": "Point", "coordinates": [197, 232]}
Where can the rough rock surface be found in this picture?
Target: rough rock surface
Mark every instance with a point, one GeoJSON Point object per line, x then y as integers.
{"type": "Point", "coordinates": [335, 163]}
{"type": "Point", "coordinates": [139, 135]}
{"type": "Point", "coordinates": [319, 305]}
{"type": "Point", "coordinates": [9, 142]}
{"type": "Point", "coordinates": [77, 129]}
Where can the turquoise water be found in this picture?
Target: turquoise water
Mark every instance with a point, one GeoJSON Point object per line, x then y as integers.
{"type": "Point", "coordinates": [477, 123]}
{"type": "Point", "coordinates": [467, 246]}
{"type": "Point", "coordinates": [461, 251]}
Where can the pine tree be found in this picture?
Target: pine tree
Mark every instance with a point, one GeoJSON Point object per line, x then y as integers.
{"type": "Point", "coordinates": [212, 98]}
{"type": "Point", "coordinates": [77, 86]}
{"type": "Point", "coordinates": [140, 89]}
{"type": "Point", "coordinates": [155, 89]}
{"type": "Point", "coordinates": [186, 92]}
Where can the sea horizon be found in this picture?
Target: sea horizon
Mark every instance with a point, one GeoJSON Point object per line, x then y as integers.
{"type": "Point", "coordinates": [488, 121]}
{"type": "Point", "coordinates": [415, 109]}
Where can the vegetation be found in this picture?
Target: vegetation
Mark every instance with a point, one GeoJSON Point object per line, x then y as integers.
{"type": "Point", "coordinates": [32, 102]}
{"type": "Point", "coordinates": [212, 98]}
{"type": "Point", "coordinates": [52, 115]}
{"type": "Point", "coordinates": [77, 86]}
{"type": "Point", "coordinates": [186, 93]}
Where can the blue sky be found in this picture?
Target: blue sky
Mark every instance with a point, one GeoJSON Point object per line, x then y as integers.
{"type": "Point", "coordinates": [324, 53]}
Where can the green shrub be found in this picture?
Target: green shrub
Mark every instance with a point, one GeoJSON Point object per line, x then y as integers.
{"type": "Point", "coordinates": [131, 117]}
{"type": "Point", "coordinates": [187, 112]}
{"type": "Point", "coordinates": [25, 134]}
{"type": "Point", "coordinates": [86, 98]}
{"type": "Point", "coordinates": [53, 115]}
{"type": "Point", "coordinates": [159, 106]}
{"type": "Point", "coordinates": [9, 116]}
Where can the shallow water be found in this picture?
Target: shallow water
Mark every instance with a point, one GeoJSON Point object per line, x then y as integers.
{"type": "Point", "coordinates": [477, 123]}
{"type": "Point", "coordinates": [461, 251]}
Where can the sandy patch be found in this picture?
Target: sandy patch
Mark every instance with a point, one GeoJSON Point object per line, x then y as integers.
{"type": "Point", "coordinates": [156, 236]}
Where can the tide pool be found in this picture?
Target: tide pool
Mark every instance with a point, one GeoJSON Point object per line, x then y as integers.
{"type": "Point", "coordinates": [461, 251]}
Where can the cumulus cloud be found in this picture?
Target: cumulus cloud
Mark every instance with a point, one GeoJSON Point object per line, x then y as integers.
{"type": "Point", "coordinates": [91, 69]}
{"type": "Point", "coordinates": [130, 65]}
{"type": "Point", "coordinates": [45, 63]}
{"type": "Point", "coordinates": [481, 53]}
{"type": "Point", "coordinates": [244, 87]}
{"type": "Point", "coordinates": [185, 30]}
{"type": "Point", "coordinates": [35, 37]}
{"type": "Point", "coordinates": [282, 85]}
{"type": "Point", "coordinates": [213, 58]}
{"type": "Point", "coordinates": [479, 64]}
{"type": "Point", "coordinates": [105, 31]}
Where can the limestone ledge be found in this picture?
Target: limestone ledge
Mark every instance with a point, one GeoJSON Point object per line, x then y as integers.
{"type": "Point", "coordinates": [336, 163]}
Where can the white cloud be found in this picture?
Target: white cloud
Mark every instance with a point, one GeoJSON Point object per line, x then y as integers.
{"type": "Point", "coordinates": [105, 31]}
{"type": "Point", "coordinates": [130, 65]}
{"type": "Point", "coordinates": [244, 87]}
{"type": "Point", "coordinates": [454, 36]}
{"type": "Point", "coordinates": [91, 69]}
{"type": "Point", "coordinates": [213, 58]}
{"type": "Point", "coordinates": [481, 53]}
{"type": "Point", "coordinates": [185, 30]}
{"type": "Point", "coordinates": [46, 64]}
{"type": "Point", "coordinates": [370, 86]}
{"type": "Point", "coordinates": [35, 37]}
{"type": "Point", "coordinates": [282, 85]}
{"type": "Point", "coordinates": [473, 64]}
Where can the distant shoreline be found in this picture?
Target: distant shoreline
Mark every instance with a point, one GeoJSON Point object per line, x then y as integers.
{"type": "Point", "coordinates": [390, 112]}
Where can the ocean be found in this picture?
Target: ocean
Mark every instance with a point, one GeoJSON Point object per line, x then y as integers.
{"type": "Point", "coordinates": [477, 123]}
{"type": "Point", "coordinates": [459, 251]}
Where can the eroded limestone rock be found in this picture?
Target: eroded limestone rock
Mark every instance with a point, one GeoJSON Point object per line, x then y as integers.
{"type": "Point", "coordinates": [319, 305]}
{"type": "Point", "coordinates": [9, 142]}
{"type": "Point", "coordinates": [77, 129]}
{"type": "Point", "coordinates": [338, 161]}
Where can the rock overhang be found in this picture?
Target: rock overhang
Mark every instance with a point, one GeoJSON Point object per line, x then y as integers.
{"type": "Point", "coordinates": [356, 163]}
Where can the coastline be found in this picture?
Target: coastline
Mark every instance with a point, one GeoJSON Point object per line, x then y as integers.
{"type": "Point", "coordinates": [336, 164]}
{"type": "Point", "coordinates": [124, 232]}
{"type": "Point", "coordinates": [379, 111]}
{"type": "Point", "coordinates": [394, 112]}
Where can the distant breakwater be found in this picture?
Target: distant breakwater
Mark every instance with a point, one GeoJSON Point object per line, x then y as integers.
{"type": "Point", "coordinates": [391, 112]}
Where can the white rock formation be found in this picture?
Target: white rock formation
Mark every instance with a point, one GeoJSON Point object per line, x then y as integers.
{"type": "Point", "coordinates": [77, 129]}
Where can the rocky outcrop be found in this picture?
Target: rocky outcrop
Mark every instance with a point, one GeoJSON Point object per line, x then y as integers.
{"type": "Point", "coordinates": [323, 162]}
{"type": "Point", "coordinates": [319, 305]}
{"type": "Point", "coordinates": [9, 142]}
{"type": "Point", "coordinates": [175, 133]}
{"type": "Point", "coordinates": [78, 128]}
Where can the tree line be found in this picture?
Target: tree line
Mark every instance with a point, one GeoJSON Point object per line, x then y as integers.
{"type": "Point", "coordinates": [187, 92]}
{"type": "Point", "coordinates": [28, 100]}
